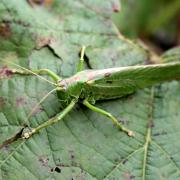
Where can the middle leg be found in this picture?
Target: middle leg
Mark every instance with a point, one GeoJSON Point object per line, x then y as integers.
{"type": "Point", "coordinates": [51, 121]}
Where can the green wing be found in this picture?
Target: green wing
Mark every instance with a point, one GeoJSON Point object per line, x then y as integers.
{"type": "Point", "coordinates": [118, 82]}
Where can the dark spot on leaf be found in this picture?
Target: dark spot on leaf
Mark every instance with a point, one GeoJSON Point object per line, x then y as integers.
{"type": "Point", "coordinates": [160, 133]}
{"type": "Point", "coordinates": [58, 170]}
{"type": "Point", "coordinates": [37, 110]}
{"type": "Point", "coordinates": [123, 121]}
{"type": "Point", "coordinates": [125, 161]}
{"type": "Point", "coordinates": [51, 169]}
{"type": "Point", "coordinates": [6, 148]}
{"type": "Point", "coordinates": [128, 176]}
{"type": "Point", "coordinates": [20, 101]}
{"type": "Point", "coordinates": [62, 165]}
{"type": "Point", "coordinates": [5, 30]}
{"type": "Point", "coordinates": [132, 177]}
{"type": "Point", "coordinates": [43, 160]}
{"type": "Point", "coordinates": [72, 156]}
{"type": "Point", "coordinates": [150, 124]}
{"type": "Point", "coordinates": [156, 134]}
{"type": "Point", "coordinates": [2, 101]}
{"type": "Point", "coordinates": [5, 72]}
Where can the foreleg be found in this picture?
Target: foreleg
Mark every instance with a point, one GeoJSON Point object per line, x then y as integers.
{"type": "Point", "coordinates": [48, 72]}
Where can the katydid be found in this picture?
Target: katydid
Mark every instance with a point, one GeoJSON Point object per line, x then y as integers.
{"type": "Point", "coordinates": [89, 86]}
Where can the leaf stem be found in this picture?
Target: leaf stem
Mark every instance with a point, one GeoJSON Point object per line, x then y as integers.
{"type": "Point", "coordinates": [148, 135]}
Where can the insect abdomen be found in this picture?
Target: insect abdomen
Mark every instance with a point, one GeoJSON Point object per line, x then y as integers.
{"type": "Point", "coordinates": [118, 82]}
{"type": "Point", "coordinates": [107, 91]}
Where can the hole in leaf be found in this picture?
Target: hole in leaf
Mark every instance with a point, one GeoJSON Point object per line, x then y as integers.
{"type": "Point", "coordinates": [58, 170]}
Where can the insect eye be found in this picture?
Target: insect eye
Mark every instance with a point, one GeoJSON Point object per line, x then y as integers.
{"type": "Point", "coordinates": [62, 84]}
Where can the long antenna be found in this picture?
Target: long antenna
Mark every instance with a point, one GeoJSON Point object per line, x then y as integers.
{"type": "Point", "coordinates": [29, 71]}
{"type": "Point", "coordinates": [37, 105]}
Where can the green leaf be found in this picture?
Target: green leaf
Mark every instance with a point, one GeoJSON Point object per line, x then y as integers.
{"type": "Point", "coordinates": [148, 18]}
{"type": "Point", "coordinates": [172, 55]}
{"type": "Point", "coordinates": [85, 145]}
